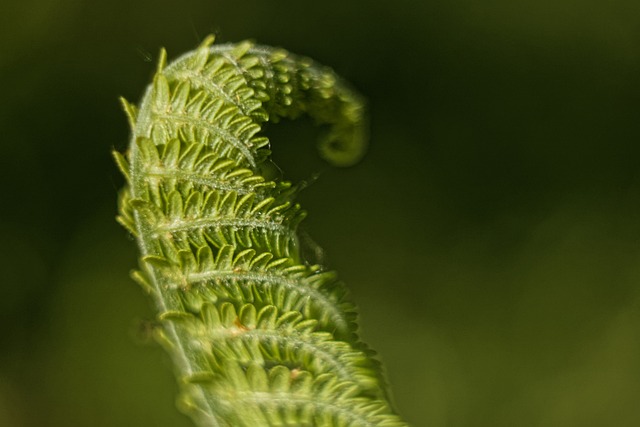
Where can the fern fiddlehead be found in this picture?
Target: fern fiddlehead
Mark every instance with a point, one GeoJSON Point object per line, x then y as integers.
{"type": "Point", "coordinates": [258, 336]}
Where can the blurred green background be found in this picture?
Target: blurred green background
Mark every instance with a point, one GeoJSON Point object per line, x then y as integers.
{"type": "Point", "coordinates": [491, 237]}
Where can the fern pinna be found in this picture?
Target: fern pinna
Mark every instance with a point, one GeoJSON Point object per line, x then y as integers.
{"type": "Point", "coordinates": [258, 336]}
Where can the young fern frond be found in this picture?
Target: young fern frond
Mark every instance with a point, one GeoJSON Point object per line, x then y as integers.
{"type": "Point", "coordinates": [258, 336]}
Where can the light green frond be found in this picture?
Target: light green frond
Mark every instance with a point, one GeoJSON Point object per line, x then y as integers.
{"type": "Point", "coordinates": [258, 336]}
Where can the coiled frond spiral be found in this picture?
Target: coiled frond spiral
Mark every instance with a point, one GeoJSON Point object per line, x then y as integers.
{"type": "Point", "coordinates": [258, 336]}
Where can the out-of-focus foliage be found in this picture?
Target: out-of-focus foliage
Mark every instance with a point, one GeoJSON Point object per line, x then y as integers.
{"type": "Point", "coordinates": [490, 236]}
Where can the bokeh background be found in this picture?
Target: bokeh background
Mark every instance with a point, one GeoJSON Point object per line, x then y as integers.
{"type": "Point", "coordinates": [491, 237]}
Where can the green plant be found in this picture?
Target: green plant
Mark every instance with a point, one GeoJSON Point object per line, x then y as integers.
{"type": "Point", "coordinates": [258, 336]}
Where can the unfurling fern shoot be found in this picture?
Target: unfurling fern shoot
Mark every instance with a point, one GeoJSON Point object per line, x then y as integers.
{"type": "Point", "coordinates": [258, 336]}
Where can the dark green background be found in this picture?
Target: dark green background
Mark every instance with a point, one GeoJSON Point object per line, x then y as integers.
{"type": "Point", "coordinates": [491, 236]}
